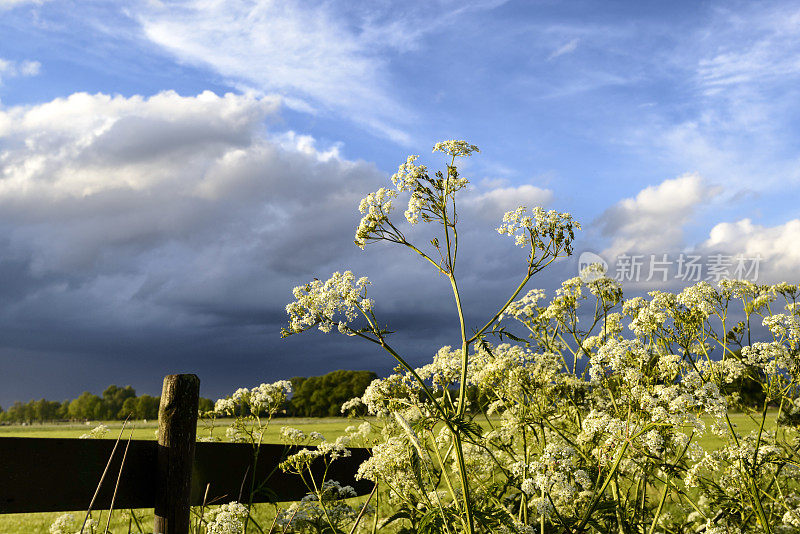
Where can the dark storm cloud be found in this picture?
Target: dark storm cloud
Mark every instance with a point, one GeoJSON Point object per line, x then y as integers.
{"type": "Point", "coordinates": [143, 236]}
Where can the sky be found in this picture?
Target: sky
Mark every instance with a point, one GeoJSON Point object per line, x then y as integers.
{"type": "Point", "coordinates": [169, 171]}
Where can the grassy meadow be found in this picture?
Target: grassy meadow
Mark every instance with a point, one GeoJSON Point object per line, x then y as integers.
{"type": "Point", "coordinates": [40, 523]}
{"type": "Point", "coordinates": [329, 427]}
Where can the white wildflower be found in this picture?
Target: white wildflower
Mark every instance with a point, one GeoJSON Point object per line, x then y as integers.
{"type": "Point", "coordinates": [455, 148]}
{"type": "Point", "coordinates": [97, 432]}
{"type": "Point", "coordinates": [318, 303]}
{"type": "Point", "coordinates": [227, 519]}
{"type": "Point", "coordinates": [63, 524]}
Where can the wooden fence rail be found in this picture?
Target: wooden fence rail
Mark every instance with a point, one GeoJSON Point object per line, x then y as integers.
{"type": "Point", "coordinates": [56, 474]}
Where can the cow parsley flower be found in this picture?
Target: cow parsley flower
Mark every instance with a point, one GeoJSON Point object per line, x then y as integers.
{"type": "Point", "coordinates": [224, 406]}
{"type": "Point", "coordinates": [319, 303]}
{"type": "Point", "coordinates": [64, 524]}
{"type": "Point", "coordinates": [227, 519]}
{"type": "Point", "coordinates": [528, 486]}
{"type": "Point", "coordinates": [455, 148]}
{"type": "Point", "coordinates": [792, 517]}
{"type": "Point", "coordinates": [97, 432]}
{"type": "Point", "coordinates": [539, 228]}
{"type": "Point", "coordinates": [269, 397]}
{"type": "Point", "coordinates": [292, 435]}
{"type": "Point", "coordinates": [700, 297]}
{"type": "Point", "coordinates": [352, 404]}
{"type": "Point", "coordinates": [409, 174]}
{"type": "Point", "coordinates": [654, 442]}
{"type": "Point", "coordinates": [376, 208]}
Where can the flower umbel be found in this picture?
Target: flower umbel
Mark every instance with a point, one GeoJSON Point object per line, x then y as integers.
{"type": "Point", "coordinates": [455, 148]}
{"type": "Point", "coordinates": [337, 301]}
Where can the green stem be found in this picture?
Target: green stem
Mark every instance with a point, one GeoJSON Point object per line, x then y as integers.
{"type": "Point", "coordinates": [660, 506]}
{"type": "Point", "coordinates": [602, 489]}
{"type": "Point", "coordinates": [753, 480]}
{"type": "Point", "coordinates": [462, 390]}
{"type": "Point", "coordinates": [462, 471]}
{"type": "Point", "coordinates": [377, 509]}
{"type": "Point", "coordinates": [502, 308]}
{"type": "Point", "coordinates": [444, 468]}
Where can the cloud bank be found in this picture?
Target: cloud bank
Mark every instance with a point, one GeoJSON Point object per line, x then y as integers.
{"type": "Point", "coordinates": [142, 232]}
{"type": "Point", "coordinates": [654, 220]}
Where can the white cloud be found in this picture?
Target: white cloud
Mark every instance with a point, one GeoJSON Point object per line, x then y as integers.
{"type": "Point", "coordinates": [775, 245]}
{"type": "Point", "coordinates": [323, 56]}
{"type": "Point", "coordinates": [307, 52]}
{"type": "Point", "coordinates": [654, 220]}
{"type": "Point", "coordinates": [566, 48]}
{"type": "Point", "coordinates": [168, 207]}
{"type": "Point", "coordinates": [10, 4]}
{"type": "Point", "coordinates": [490, 205]}
{"type": "Point", "coordinates": [181, 216]}
{"type": "Point", "coordinates": [738, 123]}
{"type": "Point", "coordinates": [84, 145]}
{"type": "Point", "coordinates": [306, 144]}
{"type": "Point", "coordinates": [758, 47]}
{"type": "Point", "coordinates": [13, 69]}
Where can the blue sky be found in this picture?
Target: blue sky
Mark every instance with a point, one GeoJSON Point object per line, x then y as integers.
{"type": "Point", "coordinates": [170, 170]}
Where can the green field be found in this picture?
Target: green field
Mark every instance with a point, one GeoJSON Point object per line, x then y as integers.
{"type": "Point", "coordinates": [40, 523]}
{"type": "Point", "coordinates": [329, 427]}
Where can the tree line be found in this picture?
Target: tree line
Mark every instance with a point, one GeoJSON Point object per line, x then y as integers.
{"type": "Point", "coordinates": [323, 396]}
{"type": "Point", "coordinates": [314, 396]}
{"type": "Point", "coordinates": [116, 403]}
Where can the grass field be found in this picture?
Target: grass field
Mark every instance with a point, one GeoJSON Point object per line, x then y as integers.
{"type": "Point", "coordinates": [40, 523]}
{"type": "Point", "coordinates": [329, 427]}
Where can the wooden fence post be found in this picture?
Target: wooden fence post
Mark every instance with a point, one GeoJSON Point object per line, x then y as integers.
{"type": "Point", "coordinates": [177, 431]}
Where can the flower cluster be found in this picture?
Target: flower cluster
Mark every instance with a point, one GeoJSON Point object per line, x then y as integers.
{"type": "Point", "coordinates": [321, 303]}
{"type": "Point", "coordinates": [376, 208]}
{"type": "Point", "coordinates": [590, 413]}
{"type": "Point", "coordinates": [455, 148]}
{"type": "Point", "coordinates": [63, 524]}
{"type": "Point", "coordinates": [226, 519]}
{"type": "Point", "coordinates": [264, 398]}
{"type": "Point", "coordinates": [327, 450]}
{"type": "Point", "coordinates": [542, 230]}
{"type": "Point", "coordinates": [97, 432]}
{"type": "Point", "coordinates": [409, 175]}
{"type": "Point", "coordinates": [317, 511]}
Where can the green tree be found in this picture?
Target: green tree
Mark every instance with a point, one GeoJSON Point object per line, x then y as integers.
{"type": "Point", "coordinates": [146, 407]}
{"type": "Point", "coordinates": [63, 410]}
{"type": "Point", "coordinates": [114, 398]}
{"type": "Point", "coordinates": [205, 405]}
{"type": "Point", "coordinates": [44, 410]}
{"type": "Point", "coordinates": [129, 407]}
{"type": "Point", "coordinates": [86, 406]}
{"type": "Point", "coordinates": [15, 413]}
{"type": "Point", "coordinates": [323, 396]}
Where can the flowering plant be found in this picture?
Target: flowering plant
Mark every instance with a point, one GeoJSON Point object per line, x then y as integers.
{"type": "Point", "coordinates": [603, 415]}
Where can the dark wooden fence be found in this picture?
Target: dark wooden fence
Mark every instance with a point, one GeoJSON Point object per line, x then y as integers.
{"type": "Point", "coordinates": [51, 474]}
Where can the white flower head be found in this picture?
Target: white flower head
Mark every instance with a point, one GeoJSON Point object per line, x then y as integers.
{"type": "Point", "coordinates": [375, 208]}
{"type": "Point", "coordinates": [539, 228]}
{"type": "Point", "coordinates": [408, 175]}
{"type": "Point", "coordinates": [227, 519]}
{"type": "Point", "coordinates": [320, 303]}
{"type": "Point", "coordinates": [64, 524]}
{"type": "Point", "coordinates": [455, 148]}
